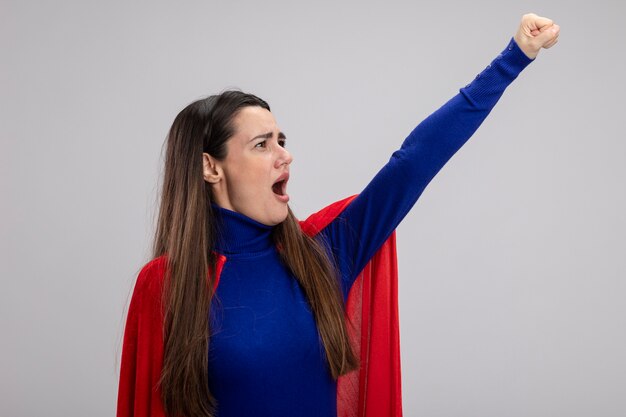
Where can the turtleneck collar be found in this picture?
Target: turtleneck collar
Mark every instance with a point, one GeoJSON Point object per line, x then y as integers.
{"type": "Point", "coordinates": [238, 234]}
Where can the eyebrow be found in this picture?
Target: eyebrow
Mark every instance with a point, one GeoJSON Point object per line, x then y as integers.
{"type": "Point", "coordinates": [268, 135]}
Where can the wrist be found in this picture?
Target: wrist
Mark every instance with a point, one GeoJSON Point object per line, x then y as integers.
{"type": "Point", "coordinates": [530, 52]}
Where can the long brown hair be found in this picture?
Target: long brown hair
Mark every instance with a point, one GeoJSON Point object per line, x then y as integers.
{"type": "Point", "coordinates": [186, 236]}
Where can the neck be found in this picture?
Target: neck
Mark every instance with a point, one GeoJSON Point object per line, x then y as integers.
{"type": "Point", "coordinates": [239, 234]}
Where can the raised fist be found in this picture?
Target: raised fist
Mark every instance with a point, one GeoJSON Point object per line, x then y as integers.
{"type": "Point", "coordinates": [536, 32]}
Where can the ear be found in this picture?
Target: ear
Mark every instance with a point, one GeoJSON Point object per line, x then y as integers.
{"type": "Point", "coordinates": [210, 169]}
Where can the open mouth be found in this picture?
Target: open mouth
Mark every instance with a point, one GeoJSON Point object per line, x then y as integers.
{"type": "Point", "coordinates": [280, 187]}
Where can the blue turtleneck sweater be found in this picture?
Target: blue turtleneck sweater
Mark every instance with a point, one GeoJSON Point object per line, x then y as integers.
{"type": "Point", "coordinates": [265, 354]}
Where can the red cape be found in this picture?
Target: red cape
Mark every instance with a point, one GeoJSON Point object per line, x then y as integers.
{"type": "Point", "coordinates": [372, 307]}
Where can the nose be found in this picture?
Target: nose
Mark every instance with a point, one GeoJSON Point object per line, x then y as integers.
{"type": "Point", "coordinates": [284, 158]}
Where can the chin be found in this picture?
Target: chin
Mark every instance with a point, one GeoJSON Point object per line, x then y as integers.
{"type": "Point", "coordinates": [278, 217]}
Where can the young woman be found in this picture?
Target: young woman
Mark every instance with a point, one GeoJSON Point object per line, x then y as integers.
{"type": "Point", "coordinates": [243, 310]}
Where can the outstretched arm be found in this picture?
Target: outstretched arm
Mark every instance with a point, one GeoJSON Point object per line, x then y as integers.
{"type": "Point", "coordinates": [368, 221]}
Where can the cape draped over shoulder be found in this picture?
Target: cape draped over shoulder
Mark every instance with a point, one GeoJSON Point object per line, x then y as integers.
{"type": "Point", "coordinates": [373, 390]}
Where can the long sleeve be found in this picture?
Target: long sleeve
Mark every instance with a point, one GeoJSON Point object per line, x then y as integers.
{"type": "Point", "coordinates": [369, 220]}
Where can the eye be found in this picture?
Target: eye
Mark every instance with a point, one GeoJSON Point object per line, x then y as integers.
{"type": "Point", "coordinates": [260, 145]}
{"type": "Point", "coordinates": [282, 142]}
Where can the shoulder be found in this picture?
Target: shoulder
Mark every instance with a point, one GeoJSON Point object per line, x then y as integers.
{"type": "Point", "coordinates": [316, 222]}
{"type": "Point", "coordinates": [150, 279]}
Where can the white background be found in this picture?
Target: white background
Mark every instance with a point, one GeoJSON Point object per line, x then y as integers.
{"type": "Point", "coordinates": [512, 262]}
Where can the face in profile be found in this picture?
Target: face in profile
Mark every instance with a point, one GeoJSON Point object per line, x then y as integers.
{"type": "Point", "coordinates": [252, 178]}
